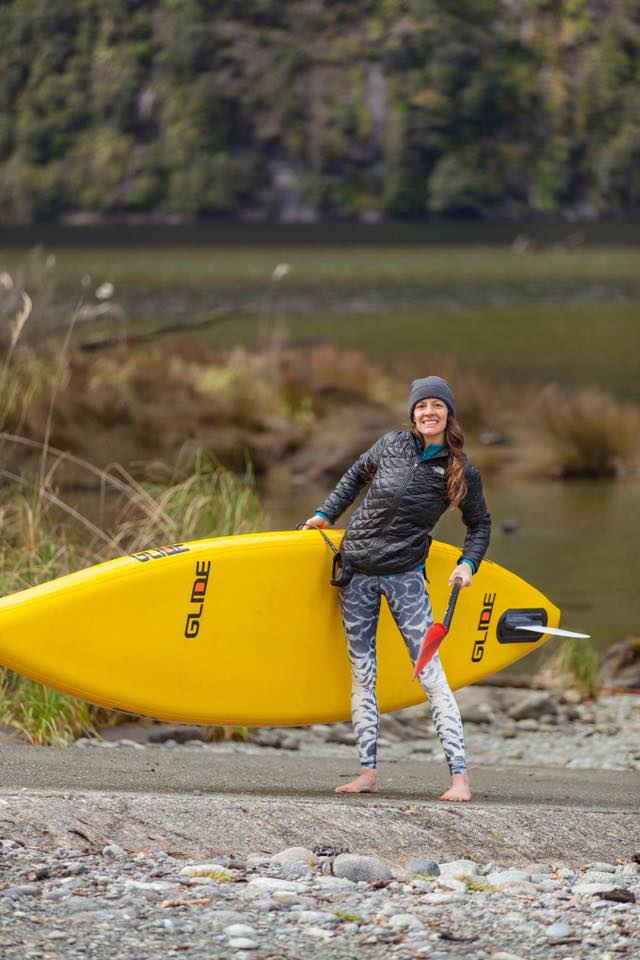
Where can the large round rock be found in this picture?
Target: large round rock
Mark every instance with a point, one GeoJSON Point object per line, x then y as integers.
{"type": "Point", "coordinates": [293, 855]}
{"type": "Point", "coordinates": [357, 868]}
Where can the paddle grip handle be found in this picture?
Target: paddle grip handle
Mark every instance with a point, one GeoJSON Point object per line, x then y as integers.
{"type": "Point", "coordinates": [453, 599]}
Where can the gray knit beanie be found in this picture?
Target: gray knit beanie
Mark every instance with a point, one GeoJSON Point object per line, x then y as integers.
{"type": "Point", "coordinates": [431, 387]}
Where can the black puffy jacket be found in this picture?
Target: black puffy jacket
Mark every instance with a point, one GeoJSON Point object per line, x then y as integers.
{"type": "Point", "coordinates": [390, 530]}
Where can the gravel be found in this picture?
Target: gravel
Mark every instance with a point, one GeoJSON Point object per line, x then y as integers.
{"type": "Point", "coordinates": [309, 901]}
{"type": "Point", "coordinates": [143, 906]}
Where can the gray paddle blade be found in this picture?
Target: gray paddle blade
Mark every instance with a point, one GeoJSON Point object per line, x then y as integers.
{"type": "Point", "coordinates": [555, 631]}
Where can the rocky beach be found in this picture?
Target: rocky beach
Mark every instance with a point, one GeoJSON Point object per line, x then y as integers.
{"type": "Point", "coordinates": [242, 867]}
{"type": "Point", "coordinates": [311, 903]}
{"type": "Point", "coordinates": [503, 726]}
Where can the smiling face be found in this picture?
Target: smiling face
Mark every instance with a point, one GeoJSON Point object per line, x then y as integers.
{"type": "Point", "coordinates": [430, 418]}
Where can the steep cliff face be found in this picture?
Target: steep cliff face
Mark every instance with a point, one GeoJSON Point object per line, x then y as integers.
{"type": "Point", "coordinates": [299, 109]}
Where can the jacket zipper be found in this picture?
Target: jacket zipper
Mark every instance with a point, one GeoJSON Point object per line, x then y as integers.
{"type": "Point", "coordinates": [405, 483]}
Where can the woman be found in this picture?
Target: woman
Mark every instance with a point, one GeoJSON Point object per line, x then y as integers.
{"type": "Point", "coordinates": [414, 477]}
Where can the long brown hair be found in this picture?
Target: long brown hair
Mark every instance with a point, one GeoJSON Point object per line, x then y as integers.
{"type": "Point", "coordinates": [454, 440]}
{"type": "Point", "coordinates": [456, 483]}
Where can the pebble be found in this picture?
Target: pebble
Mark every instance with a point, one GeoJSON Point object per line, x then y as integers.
{"type": "Point", "coordinates": [558, 931]}
{"type": "Point", "coordinates": [21, 890]}
{"type": "Point", "coordinates": [203, 870]}
{"type": "Point", "coordinates": [602, 735]}
{"type": "Point", "coordinates": [334, 883]}
{"type": "Point", "coordinates": [356, 868]}
{"type": "Point", "coordinates": [459, 868]}
{"type": "Point", "coordinates": [285, 896]}
{"type": "Point", "coordinates": [315, 916]}
{"type": "Point", "coordinates": [294, 855]}
{"type": "Point", "coordinates": [428, 867]}
{"type": "Point", "coordinates": [452, 883]}
{"type": "Point", "coordinates": [239, 930]}
{"type": "Point", "coordinates": [113, 850]}
{"type": "Point", "coordinates": [404, 920]}
{"type": "Point", "coordinates": [319, 932]}
{"type": "Point", "coordinates": [273, 883]}
{"type": "Point", "coordinates": [597, 876]}
{"type": "Point", "coordinates": [114, 904]}
{"type": "Point", "coordinates": [501, 877]}
{"type": "Point", "coordinates": [515, 887]}
{"type": "Point", "coordinates": [589, 889]}
{"type": "Point", "coordinates": [439, 898]}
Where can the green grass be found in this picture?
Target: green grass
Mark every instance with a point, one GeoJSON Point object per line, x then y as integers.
{"type": "Point", "coordinates": [221, 266]}
{"type": "Point", "coordinates": [476, 886]}
{"type": "Point", "coordinates": [578, 662]}
{"type": "Point", "coordinates": [38, 544]}
{"type": "Point", "coordinates": [45, 716]}
{"type": "Point", "coordinates": [346, 917]}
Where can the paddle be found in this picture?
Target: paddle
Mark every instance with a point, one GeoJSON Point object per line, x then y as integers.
{"type": "Point", "coordinates": [554, 631]}
{"type": "Point", "coordinates": [437, 632]}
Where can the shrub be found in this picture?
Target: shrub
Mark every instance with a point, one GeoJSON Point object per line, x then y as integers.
{"type": "Point", "coordinates": [466, 182]}
{"type": "Point", "coordinates": [593, 435]}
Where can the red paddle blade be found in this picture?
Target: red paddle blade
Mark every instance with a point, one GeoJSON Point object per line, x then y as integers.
{"type": "Point", "coordinates": [432, 640]}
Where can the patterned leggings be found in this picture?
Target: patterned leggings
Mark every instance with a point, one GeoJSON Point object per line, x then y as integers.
{"type": "Point", "coordinates": [411, 609]}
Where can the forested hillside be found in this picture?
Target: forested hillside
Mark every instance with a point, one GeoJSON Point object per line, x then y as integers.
{"type": "Point", "coordinates": [303, 109]}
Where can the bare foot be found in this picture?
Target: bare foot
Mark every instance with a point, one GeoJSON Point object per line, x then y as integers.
{"type": "Point", "coordinates": [459, 789]}
{"type": "Point", "coordinates": [366, 782]}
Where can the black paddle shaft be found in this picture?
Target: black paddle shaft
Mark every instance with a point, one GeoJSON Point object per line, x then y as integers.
{"type": "Point", "coordinates": [453, 599]}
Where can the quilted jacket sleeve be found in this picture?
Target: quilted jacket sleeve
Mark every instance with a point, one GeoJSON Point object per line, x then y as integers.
{"type": "Point", "coordinates": [476, 517]}
{"type": "Point", "coordinates": [352, 481]}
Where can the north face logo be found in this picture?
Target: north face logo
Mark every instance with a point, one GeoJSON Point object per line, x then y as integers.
{"type": "Point", "coordinates": [439, 470]}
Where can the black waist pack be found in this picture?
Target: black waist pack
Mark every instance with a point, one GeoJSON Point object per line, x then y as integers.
{"type": "Point", "coordinates": [341, 570]}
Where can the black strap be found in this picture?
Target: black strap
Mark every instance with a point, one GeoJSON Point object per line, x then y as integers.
{"type": "Point", "coordinates": [341, 571]}
{"type": "Point", "coordinates": [301, 526]}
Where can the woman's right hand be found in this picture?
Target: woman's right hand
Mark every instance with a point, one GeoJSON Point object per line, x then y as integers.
{"type": "Point", "coordinates": [314, 522]}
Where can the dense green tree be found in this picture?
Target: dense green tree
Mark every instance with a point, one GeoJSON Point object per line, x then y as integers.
{"type": "Point", "coordinates": [348, 108]}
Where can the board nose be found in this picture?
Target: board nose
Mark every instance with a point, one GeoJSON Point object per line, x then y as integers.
{"type": "Point", "coordinates": [507, 632]}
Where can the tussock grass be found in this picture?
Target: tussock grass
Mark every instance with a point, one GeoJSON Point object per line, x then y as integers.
{"type": "Point", "coordinates": [480, 400]}
{"type": "Point", "coordinates": [592, 434]}
{"type": "Point", "coordinates": [45, 716]}
{"type": "Point", "coordinates": [575, 664]}
{"type": "Point", "coordinates": [37, 545]}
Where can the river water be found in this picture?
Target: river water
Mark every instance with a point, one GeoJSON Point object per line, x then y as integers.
{"type": "Point", "coordinates": [576, 542]}
{"type": "Point", "coordinates": [416, 294]}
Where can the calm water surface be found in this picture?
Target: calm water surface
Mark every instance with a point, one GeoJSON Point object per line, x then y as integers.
{"type": "Point", "coordinates": [577, 542]}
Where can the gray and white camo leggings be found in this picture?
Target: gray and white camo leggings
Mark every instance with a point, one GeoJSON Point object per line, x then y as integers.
{"type": "Point", "coordinates": [411, 609]}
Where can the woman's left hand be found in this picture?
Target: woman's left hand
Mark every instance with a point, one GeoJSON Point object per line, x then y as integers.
{"type": "Point", "coordinates": [461, 572]}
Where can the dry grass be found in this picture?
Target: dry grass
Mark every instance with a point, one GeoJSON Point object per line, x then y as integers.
{"type": "Point", "coordinates": [592, 434]}
{"type": "Point", "coordinates": [481, 402]}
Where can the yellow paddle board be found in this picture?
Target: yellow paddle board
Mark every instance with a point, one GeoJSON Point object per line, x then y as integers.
{"type": "Point", "coordinates": [246, 630]}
